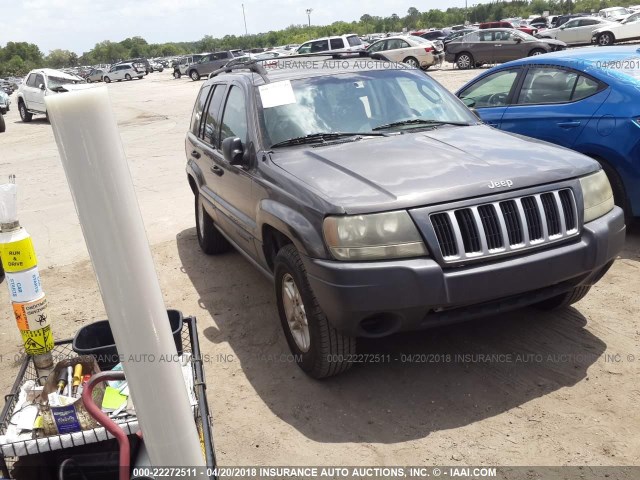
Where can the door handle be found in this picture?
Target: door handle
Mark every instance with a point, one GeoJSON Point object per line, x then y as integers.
{"type": "Point", "coordinates": [217, 170]}
{"type": "Point", "coordinates": [568, 124]}
{"type": "Point", "coordinates": [195, 154]}
{"type": "Point", "coordinates": [491, 124]}
{"type": "Point", "coordinates": [498, 45]}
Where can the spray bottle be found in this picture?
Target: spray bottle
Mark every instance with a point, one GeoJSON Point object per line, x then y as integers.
{"type": "Point", "coordinates": [23, 279]}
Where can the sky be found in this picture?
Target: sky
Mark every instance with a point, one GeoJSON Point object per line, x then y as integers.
{"type": "Point", "coordinates": [77, 25]}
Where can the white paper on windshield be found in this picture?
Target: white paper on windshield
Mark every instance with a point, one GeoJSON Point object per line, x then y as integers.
{"type": "Point", "coordinates": [276, 94]}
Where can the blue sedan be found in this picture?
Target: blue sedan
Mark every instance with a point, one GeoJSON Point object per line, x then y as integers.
{"type": "Point", "coordinates": [585, 99]}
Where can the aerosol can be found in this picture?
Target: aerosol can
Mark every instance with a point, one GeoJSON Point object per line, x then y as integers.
{"type": "Point", "coordinates": [23, 280]}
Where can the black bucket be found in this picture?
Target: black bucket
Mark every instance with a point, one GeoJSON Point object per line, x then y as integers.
{"type": "Point", "coordinates": [96, 339]}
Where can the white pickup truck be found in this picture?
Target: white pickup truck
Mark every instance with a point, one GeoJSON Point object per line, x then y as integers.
{"type": "Point", "coordinates": [38, 84]}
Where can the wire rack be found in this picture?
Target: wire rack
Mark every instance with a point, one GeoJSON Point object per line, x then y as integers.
{"type": "Point", "coordinates": [10, 452]}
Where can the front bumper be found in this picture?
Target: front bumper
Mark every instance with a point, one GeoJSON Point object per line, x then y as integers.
{"type": "Point", "coordinates": [380, 298]}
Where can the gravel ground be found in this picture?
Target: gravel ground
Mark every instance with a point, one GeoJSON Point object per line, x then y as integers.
{"type": "Point", "coordinates": [563, 393]}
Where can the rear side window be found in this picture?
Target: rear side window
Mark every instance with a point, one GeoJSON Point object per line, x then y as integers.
{"type": "Point", "coordinates": [556, 85]}
{"type": "Point", "coordinates": [234, 119]}
{"type": "Point", "coordinates": [354, 40]}
{"type": "Point", "coordinates": [211, 125]}
{"type": "Point", "coordinates": [198, 108]}
{"type": "Point", "coordinates": [336, 43]}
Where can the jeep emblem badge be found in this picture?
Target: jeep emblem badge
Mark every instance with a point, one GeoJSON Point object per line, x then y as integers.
{"type": "Point", "coordinates": [500, 183]}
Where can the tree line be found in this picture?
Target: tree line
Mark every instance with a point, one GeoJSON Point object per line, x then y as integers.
{"type": "Point", "coordinates": [17, 58]}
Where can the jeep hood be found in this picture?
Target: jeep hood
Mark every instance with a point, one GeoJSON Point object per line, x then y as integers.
{"type": "Point", "coordinates": [429, 167]}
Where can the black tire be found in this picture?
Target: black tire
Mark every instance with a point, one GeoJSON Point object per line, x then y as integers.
{"type": "Point", "coordinates": [176, 74]}
{"type": "Point", "coordinates": [211, 241]}
{"type": "Point", "coordinates": [195, 76]}
{"type": "Point", "coordinates": [565, 299]}
{"type": "Point", "coordinates": [127, 77]}
{"type": "Point", "coordinates": [88, 80]}
{"type": "Point", "coordinates": [465, 61]}
{"type": "Point", "coordinates": [328, 352]}
{"type": "Point", "coordinates": [25, 116]}
{"type": "Point", "coordinates": [107, 80]}
{"type": "Point", "coordinates": [606, 39]}
{"type": "Point", "coordinates": [413, 61]}
{"type": "Point", "coordinates": [537, 51]}
{"type": "Point", "coordinates": [3, 125]}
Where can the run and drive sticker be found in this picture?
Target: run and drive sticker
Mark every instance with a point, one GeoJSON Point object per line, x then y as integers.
{"type": "Point", "coordinates": [31, 315]}
{"type": "Point", "coordinates": [37, 342]}
{"type": "Point", "coordinates": [18, 256]}
{"type": "Point", "coordinates": [276, 94]}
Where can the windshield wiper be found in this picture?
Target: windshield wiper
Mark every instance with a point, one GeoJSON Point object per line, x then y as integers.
{"type": "Point", "coordinates": [323, 137]}
{"type": "Point", "coordinates": [419, 121]}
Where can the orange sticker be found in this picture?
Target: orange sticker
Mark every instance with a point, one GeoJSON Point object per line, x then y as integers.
{"type": "Point", "coordinates": [31, 315]}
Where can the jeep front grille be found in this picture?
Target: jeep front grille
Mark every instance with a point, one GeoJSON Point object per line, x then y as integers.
{"type": "Point", "coordinates": [505, 226]}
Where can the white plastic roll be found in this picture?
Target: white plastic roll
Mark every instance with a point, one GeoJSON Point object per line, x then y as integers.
{"type": "Point", "coordinates": [8, 203]}
{"type": "Point", "coordinates": [97, 171]}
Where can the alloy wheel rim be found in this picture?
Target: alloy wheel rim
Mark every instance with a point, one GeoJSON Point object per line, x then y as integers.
{"type": "Point", "coordinates": [464, 61]}
{"type": "Point", "coordinates": [295, 313]}
{"type": "Point", "coordinates": [604, 39]}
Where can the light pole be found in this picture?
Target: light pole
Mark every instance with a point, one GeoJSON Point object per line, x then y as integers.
{"type": "Point", "coordinates": [309, 10]}
{"type": "Point", "coordinates": [245, 21]}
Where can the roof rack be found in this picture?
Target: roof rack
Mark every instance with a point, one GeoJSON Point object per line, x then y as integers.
{"type": "Point", "coordinates": [251, 65]}
{"type": "Point", "coordinates": [255, 65]}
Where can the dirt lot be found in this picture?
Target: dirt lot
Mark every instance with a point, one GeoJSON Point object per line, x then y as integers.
{"type": "Point", "coordinates": [564, 392]}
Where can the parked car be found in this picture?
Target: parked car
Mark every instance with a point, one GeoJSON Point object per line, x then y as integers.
{"type": "Point", "coordinates": [562, 19]}
{"type": "Point", "coordinates": [184, 63]}
{"type": "Point", "coordinates": [627, 29]}
{"type": "Point", "coordinates": [367, 232]}
{"type": "Point", "coordinates": [615, 14]}
{"type": "Point", "coordinates": [38, 84]}
{"type": "Point", "coordinates": [123, 71]}
{"type": "Point", "coordinates": [414, 51]}
{"type": "Point", "coordinates": [95, 75]}
{"type": "Point", "coordinates": [140, 64]}
{"type": "Point", "coordinates": [503, 24]}
{"type": "Point", "coordinates": [577, 31]}
{"type": "Point", "coordinates": [209, 63]}
{"type": "Point", "coordinates": [342, 43]}
{"type": "Point", "coordinates": [433, 35]}
{"type": "Point", "coordinates": [497, 45]}
{"type": "Point", "coordinates": [587, 100]}
{"type": "Point", "coordinates": [5, 103]}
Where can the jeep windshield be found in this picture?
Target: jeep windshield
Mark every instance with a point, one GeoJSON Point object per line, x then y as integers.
{"type": "Point", "coordinates": [357, 102]}
{"type": "Point", "coordinates": [56, 83]}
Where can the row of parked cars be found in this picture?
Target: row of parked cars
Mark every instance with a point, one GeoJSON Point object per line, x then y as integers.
{"type": "Point", "coordinates": [378, 202]}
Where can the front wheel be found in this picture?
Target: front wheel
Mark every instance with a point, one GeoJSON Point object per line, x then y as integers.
{"type": "Point", "coordinates": [88, 80]}
{"type": "Point", "coordinates": [107, 80]}
{"type": "Point", "coordinates": [319, 349]}
{"type": "Point", "coordinates": [605, 39]}
{"type": "Point", "coordinates": [565, 299]}
{"type": "Point", "coordinates": [25, 116]}
{"type": "Point", "coordinates": [537, 51]}
{"type": "Point", "coordinates": [3, 125]}
{"type": "Point", "coordinates": [211, 241]}
{"type": "Point", "coordinates": [195, 76]}
{"type": "Point", "coordinates": [127, 77]}
{"type": "Point", "coordinates": [464, 61]}
{"type": "Point", "coordinates": [176, 74]}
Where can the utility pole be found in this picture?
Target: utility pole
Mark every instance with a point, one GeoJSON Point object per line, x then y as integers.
{"type": "Point", "coordinates": [245, 21]}
{"type": "Point", "coordinates": [309, 10]}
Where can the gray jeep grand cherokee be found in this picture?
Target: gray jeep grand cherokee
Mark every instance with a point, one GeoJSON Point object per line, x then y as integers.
{"type": "Point", "coordinates": [377, 202]}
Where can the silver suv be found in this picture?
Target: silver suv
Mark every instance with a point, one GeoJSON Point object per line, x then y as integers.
{"type": "Point", "coordinates": [37, 85]}
{"type": "Point", "coordinates": [377, 203]}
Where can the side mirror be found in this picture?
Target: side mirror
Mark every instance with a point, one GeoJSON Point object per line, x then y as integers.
{"type": "Point", "coordinates": [518, 40]}
{"type": "Point", "coordinates": [41, 86]}
{"type": "Point", "coordinates": [475, 112]}
{"type": "Point", "coordinates": [232, 150]}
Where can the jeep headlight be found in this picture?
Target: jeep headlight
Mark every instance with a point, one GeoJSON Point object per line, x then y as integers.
{"type": "Point", "coordinates": [597, 195]}
{"type": "Point", "coordinates": [373, 237]}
